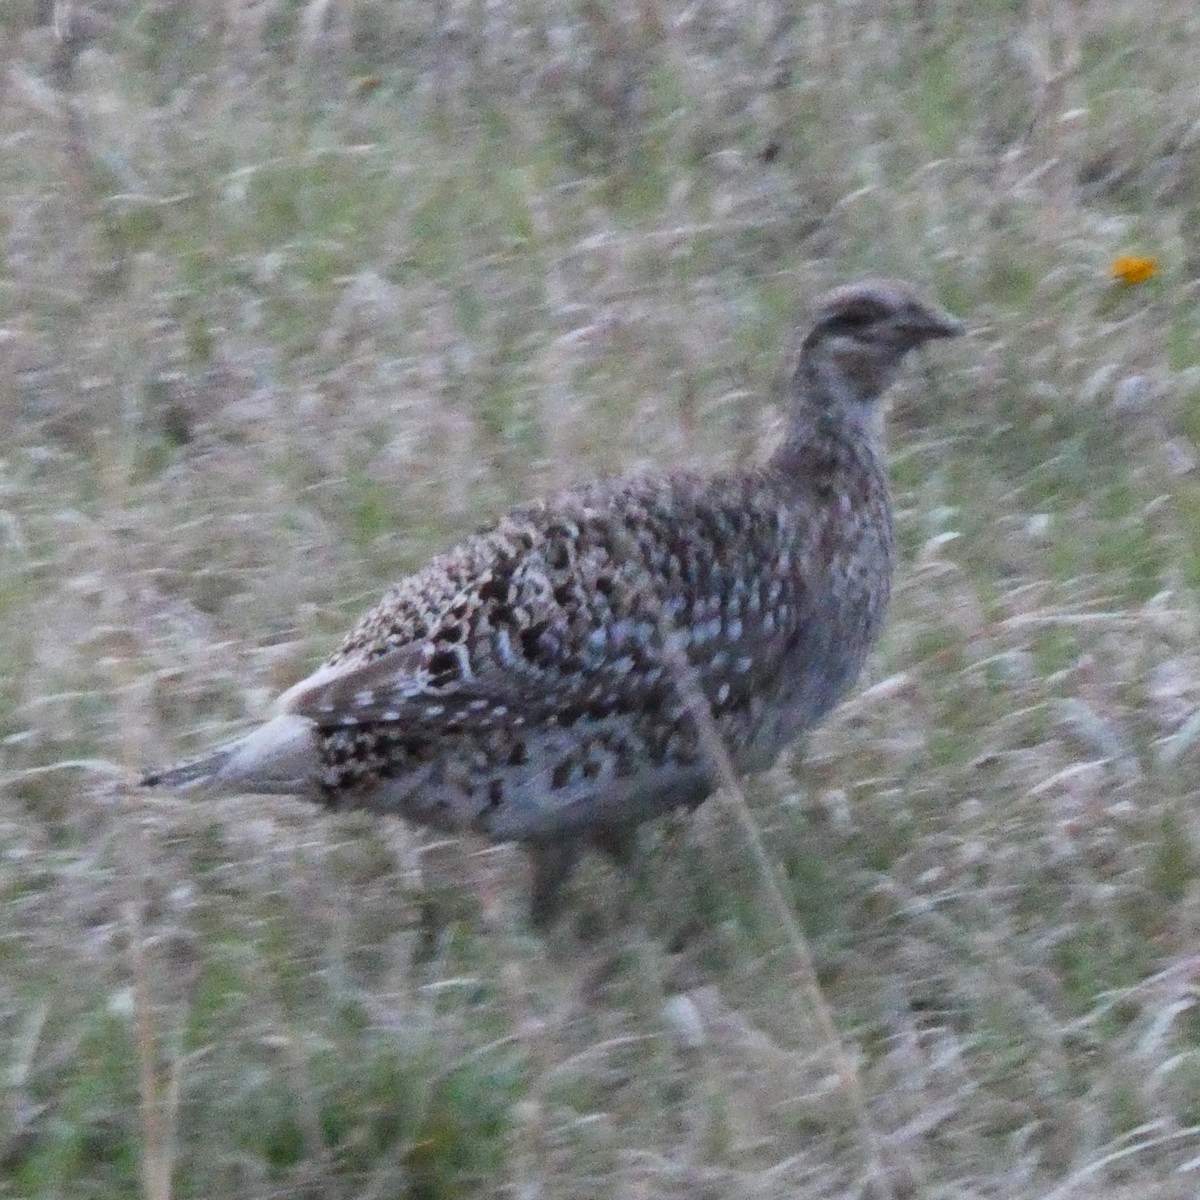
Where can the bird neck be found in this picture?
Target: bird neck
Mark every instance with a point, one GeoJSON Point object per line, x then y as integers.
{"type": "Point", "coordinates": [832, 410]}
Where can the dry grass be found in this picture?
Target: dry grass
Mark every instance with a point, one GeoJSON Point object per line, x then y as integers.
{"type": "Point", "coordinates": [293, 293]}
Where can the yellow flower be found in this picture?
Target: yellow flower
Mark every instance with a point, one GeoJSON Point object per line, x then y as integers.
{"type": "Point", "coordinates": [1132, 268]}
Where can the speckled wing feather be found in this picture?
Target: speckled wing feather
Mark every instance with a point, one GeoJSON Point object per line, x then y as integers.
{"type": "Point", "coordinates": [530, 658]}
{"type": "Point", "coordinates": [568, 600]}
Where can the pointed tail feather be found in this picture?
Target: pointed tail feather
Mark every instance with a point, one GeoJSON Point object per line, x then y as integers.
{"type": "Point", "coordinates": [278, 758]}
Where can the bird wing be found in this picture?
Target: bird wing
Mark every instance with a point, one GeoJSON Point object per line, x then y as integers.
{"type": "Point", "coordinates": [395, 688]}
{"type": "Point", "coordinates": [562, 610]}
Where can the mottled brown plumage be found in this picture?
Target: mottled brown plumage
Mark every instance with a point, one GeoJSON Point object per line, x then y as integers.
{"type": "Point", "coordinates": [519, 685]}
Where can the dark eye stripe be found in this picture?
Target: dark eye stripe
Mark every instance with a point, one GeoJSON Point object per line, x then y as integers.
{"type": "Point", "coordinates": [850, 321]}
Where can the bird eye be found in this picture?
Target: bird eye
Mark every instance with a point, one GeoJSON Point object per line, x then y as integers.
{"type": "Point", "coordinates": [853, 320]}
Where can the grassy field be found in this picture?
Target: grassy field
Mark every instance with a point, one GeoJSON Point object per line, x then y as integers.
{"type": "Point", "coordinates": [294, 293]}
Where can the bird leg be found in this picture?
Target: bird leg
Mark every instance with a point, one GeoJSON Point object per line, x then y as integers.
{"type": "Point", "coordinates": [618, 841]}
{"type": "Point", "coordinates": [553, 862]}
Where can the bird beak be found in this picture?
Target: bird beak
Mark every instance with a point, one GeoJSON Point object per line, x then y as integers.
{"type": "Point", "coordinates": [934, 324]}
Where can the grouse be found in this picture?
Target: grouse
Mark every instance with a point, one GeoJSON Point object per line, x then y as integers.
{"type": "Point", "coordinates": [538, 682]}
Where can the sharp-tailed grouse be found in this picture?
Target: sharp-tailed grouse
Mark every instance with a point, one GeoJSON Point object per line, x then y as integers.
{"type": "Point", "coordinates": [521, 686]}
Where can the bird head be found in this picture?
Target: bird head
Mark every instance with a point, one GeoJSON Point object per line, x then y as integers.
{"type": "Point", "coordinates": [861, 335]}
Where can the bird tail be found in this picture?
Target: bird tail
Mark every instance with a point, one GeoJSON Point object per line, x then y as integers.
{"type": "Point", "coordinates": [278, 758]}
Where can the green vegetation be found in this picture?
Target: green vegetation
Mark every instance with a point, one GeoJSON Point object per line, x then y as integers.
{"type": "Point", "coordinates": [292, 294]}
